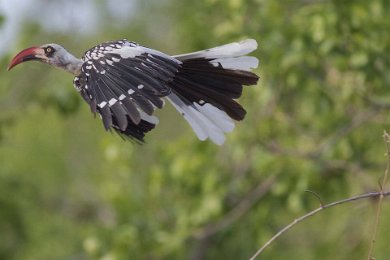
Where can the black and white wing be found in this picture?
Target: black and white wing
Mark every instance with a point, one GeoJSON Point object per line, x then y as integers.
{"type": "Point", "coordinates": [124, 82]}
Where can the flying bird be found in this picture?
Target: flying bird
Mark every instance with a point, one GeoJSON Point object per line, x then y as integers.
{"type": "Point", "coordinates": [125, 82]}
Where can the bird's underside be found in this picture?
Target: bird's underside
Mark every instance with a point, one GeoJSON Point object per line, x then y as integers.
{"type": "Point", "coordinates": [125, 83]}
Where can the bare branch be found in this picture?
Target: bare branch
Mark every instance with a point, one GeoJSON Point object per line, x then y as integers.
{"type": "Point", "coordinates": [314, 212]}
{"type": "Point", "coordinates": [386, 139]}
{"type": "Point", "coordinates": [317, 196]}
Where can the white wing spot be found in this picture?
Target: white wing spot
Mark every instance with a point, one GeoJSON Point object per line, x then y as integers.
{"type": "Point", "coordinates": [112, 101]}
{"type": "Point", "coordinates": [140, 86]}
{"type": "Point", "coordinates": [101, 105]}
{"type": "Point", "coordinates": [130, 91]}
{"type": "Point", "coordinates": [121, 97]}
{"type": "Point", "coordinates": [128, 52]}
{"type": "Point", "coordinates": [109, 62]}
{"type": "Point", "coordinates": [201, 102]}
{"type": "Point", "coordinates": [115, 59]}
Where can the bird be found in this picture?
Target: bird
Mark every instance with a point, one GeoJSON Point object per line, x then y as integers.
{"type": "Point", "coordinates": [125, 82]}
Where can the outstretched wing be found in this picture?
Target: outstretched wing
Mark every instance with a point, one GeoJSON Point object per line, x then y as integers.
{"type": "Point", "coordinates": [124, 83]}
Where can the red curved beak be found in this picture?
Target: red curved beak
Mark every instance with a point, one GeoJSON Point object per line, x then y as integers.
{"type": "Point", "coordinates": [32, 53]}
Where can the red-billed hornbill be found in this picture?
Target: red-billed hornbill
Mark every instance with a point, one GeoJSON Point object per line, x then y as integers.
{"type": "Point", "coordinates": [125, 82]}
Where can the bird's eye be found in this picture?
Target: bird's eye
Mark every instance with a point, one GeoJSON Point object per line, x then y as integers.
{"type": "Point", "coordinates": [49, 50]}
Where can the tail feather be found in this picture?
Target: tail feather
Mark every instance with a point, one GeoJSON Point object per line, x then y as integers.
{"type": "Point", "coordinates": [197, 93]}
{"type": "Point", "coordinates": [189, 114]}
{"type": "Point", "coordinates": [207, 83]}
{"type": "Point", "coordinates": [234, 49]}
{"type": "Point", "coordinates": [201, 121]}
{"type": "Point", "coordinates": [217, 116]}
{"type": "Point", "coordinates": [245, 63]}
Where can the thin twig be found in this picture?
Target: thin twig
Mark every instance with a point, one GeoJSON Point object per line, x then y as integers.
{"type": "Point", "coordinates": [386, 139]}
{"type": "Point", "coordinates": [312, 213]}
{"type": "Point", "coordinates": [317, 196]}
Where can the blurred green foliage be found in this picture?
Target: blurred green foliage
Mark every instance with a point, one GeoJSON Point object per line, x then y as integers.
{"type": "Point", "coordinates": [69, 190]}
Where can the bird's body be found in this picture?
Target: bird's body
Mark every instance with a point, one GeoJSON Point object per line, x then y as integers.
{"type": "Point", "coordinates": [125, 82]}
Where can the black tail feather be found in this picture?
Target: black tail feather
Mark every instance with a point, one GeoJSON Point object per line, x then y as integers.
{"type": "Point", "coordinates": [200, 81]}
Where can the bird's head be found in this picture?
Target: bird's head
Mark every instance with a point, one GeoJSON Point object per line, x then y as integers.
{"type": "Point", "coordinates": [52, 54]}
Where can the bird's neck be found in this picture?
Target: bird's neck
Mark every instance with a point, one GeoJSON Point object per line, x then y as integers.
{"type": "Point", "coordinates": [71, 64]}
{"type": "Point", "coordinates": [66, 61]}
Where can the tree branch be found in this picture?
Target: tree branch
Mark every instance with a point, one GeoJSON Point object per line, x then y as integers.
{"type": "Point", "coordinates": [386, 139]}
{"type": "Point", "coordinates": [314, 212]}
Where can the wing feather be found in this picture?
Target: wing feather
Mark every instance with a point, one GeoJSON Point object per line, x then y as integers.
{"type": "Point", "coordinates": [122, 81]}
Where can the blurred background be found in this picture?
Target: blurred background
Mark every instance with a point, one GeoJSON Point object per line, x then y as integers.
{"type": "Point", "coordinates": [70, 190]}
